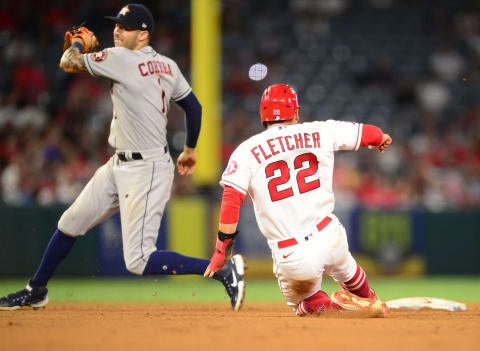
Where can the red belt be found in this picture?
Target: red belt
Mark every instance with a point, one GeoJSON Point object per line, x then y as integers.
{"type": "Point", "coordinates": [292, 241]}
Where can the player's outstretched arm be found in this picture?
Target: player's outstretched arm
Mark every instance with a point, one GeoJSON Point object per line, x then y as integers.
{"type": "Point", "coordinates": [72, 61]}
{"type": "Point", "coordinates": [229, 215]}
{"type": "Point", "coordinates": [78, 41]}
{"type": "Point", "coordinates": [223, 251]}
{"type": "Point", "coordinates": [386, 142]}
{"type": "Point", "coordinates": [374, 138]}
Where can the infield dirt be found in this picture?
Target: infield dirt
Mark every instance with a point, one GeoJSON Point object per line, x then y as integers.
{"type": "Point", "coordinates": [213, 326]}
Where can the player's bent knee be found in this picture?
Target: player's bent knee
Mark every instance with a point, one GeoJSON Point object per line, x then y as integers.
{"type": "Point", "coordinates": [68, 232]}
{"type": "Point", "coordinates": [136, 266]}
{"type": "Point", "coordinates": [67, 226]}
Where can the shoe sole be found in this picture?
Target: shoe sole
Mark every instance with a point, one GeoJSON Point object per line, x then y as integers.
{"type": "Point", "coordinates": [354, 304]}
{"type": "Point", "coordinates": [35, 306]}
{"type": "Point", "coordinates": [241, 268]}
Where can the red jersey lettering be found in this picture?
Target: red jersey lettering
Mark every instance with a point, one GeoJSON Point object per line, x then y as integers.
{"type": "Point", "coordinates": [306, 136]}
{"type": "Point", "coordinates": [289, 146]}
{"type": "Point", "coordinates": [281, 143]}
{"type": "Point", "coordinates": [269, 142]}
{"type": "Point", "coordinates": [256, 154]}
{"type": "Point", "coordinates": [298, 140]}
{"type": "Point", "coordinates": [263, 152]}
{"type": "Point", "coordinates": [316, 139]}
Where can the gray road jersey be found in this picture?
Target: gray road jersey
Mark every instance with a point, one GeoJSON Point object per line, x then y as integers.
{"type": "Point", "coordinates": [143, 83]}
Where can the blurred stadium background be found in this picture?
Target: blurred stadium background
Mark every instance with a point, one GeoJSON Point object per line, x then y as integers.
{"type": "Point", "coordinates": [411, 67]}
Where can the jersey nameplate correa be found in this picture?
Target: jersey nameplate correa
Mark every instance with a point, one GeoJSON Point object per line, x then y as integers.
{"type": "Point", "coordinates": [154, 67]}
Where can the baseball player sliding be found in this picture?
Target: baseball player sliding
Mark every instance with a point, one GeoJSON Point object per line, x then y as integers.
{"type": "Point", "coordinates": [287, 171]}
{"type": "Point", "coordinates": [137, 179]}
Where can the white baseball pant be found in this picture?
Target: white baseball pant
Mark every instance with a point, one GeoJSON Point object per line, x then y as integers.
{"type": "Point", "coordinates": [299, 267]}
{"type": "Point", "coordinates": [140, 189]}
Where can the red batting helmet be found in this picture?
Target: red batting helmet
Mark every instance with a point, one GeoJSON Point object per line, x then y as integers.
{"type": "Point", "coordinates": [279, 103]}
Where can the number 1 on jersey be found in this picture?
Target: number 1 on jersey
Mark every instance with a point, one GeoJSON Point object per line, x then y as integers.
{"type": "Point", "coordinates": [284, 176]}
{"type": "Point", "coordinates": [163, 96]}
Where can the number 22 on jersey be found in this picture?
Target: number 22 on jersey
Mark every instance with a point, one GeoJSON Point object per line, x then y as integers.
{"type": "Point", "coordinates": [284, 177]}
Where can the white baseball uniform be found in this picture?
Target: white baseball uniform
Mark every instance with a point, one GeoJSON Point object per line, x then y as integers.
{"type": "Point", "coordinates": [143, 83]}
{"type": "Point", "coordinates": [287, 170]}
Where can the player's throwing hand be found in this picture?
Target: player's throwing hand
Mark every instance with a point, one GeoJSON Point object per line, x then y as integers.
{"type": "Point", "coordinates": [186, 161]}
{"type": "Point", "coordinates": [387, 140]}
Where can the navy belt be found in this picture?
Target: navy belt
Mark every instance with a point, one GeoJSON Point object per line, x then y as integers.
{"type": "Point", "coordinates": [135, 155]}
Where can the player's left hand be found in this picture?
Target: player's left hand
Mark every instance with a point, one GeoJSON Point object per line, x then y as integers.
{"type": "Point", "coordinates": [83, 35]}
{"type": "Point", "coordinates": [387, 140]}
{"type": "Point", "coordinates": [186, 161]}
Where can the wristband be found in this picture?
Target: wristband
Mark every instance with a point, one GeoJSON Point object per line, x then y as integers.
{"type": "Point", "coordinates": [222, 236]}
{"type": "Point", "coordinates": [78, 46]}
{"type": "Point", "coordinates": [224, 245]}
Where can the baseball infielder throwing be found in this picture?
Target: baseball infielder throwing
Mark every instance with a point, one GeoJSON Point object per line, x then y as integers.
{"type": "Point", "coordinates": [287, 171]}
{"type": "Point", "coordinates": [138, 178]}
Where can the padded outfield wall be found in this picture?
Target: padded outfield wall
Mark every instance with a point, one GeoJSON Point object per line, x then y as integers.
{"type": "Point", "coordinates": [393, 243]}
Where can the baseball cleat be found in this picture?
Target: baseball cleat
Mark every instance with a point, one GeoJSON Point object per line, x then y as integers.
{"type": "Point", "coordinates": [371, 292]}
{"type": "Point", "coordinates": [28, 297]}
{"type": "Point", "coordinates": [302, 310]}
{"type": "Point", "coordinates": [386, 310]}
{"type": "Point", "coordinates": [317, 304]}
{"type": "Point", "coordinates": [231, 276]}
{"type": "Point", "coordinates": [351, 302]}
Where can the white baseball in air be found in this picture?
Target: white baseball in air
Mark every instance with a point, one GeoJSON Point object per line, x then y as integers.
{"type": "Point", "coordinates": [258, 71]}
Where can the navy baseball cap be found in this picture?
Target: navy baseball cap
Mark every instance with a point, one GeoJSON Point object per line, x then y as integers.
{"type": "Point", "coordinates": [135, 16]}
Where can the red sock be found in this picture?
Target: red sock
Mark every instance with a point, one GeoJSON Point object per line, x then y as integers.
{"type": "Point", "coordinates": [359, 284]}
{"type": "Point", "coordinates": [318, 302]}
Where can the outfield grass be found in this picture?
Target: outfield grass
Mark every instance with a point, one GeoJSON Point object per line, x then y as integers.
{"type": "Point", "coordinates": [188, 289]}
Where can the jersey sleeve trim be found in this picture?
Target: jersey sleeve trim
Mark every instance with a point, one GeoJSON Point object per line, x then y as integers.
{"type": "Point", "coordinates": [180, 97]}
{"type": "Point", "coordinates": [235, 186]}
{"type": "Point", "coordinates": [359, 136]}
{"type": "Point", "coordinates": [87, 64]}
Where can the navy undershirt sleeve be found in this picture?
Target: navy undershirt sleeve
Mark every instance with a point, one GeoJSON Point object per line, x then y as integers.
{"type": "Point", "coordinates": [193, 118]}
